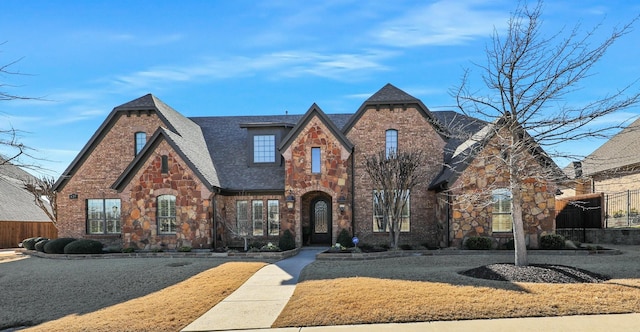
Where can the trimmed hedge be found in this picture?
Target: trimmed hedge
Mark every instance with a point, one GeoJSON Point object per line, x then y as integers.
{"type": "Point", "coordinates": [287, 242]}
{"type": "Point", "coordinates": [30, 243]}
{"type": "Point", "coordinates": [83, 246]}
{"type": "Point", "coordinates": [40, 245]}
{"type": "Point", "coordinates": [479, 243]}
{"type": "Point", "coordinates": [57, 246]}
{"type": "Point", "coordinates": [552, 242]}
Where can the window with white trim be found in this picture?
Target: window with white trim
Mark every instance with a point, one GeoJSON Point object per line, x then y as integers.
{"type": "Point", "coordinates": [140, 141]}
{"type": "Point", "coordinates": [501, 218]}
{"type": "Point", "coordinates": [242, 217]}
{"type": "Point", "coordinates": [391, 142]}
{"type": "Point", "coordinates": [273, 207]}
{"type": "Point", "coordinates": [264, 148]}
{"type": "Point", "coordinates": [378, 215]}
{"type": "Point", "coordinates": [258, 218]}
{"type": "Point", "coordinates": [103, 216]}
{"type": "Point", "coordinates": [166, 214]}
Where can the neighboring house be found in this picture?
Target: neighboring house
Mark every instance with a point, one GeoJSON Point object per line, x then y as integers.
{"type": "Point", "coordinates": [20, 217]}
{"type": "Point", "coordinates": [613, 167]}
{"type": "Point", "coordinates": [152, 178]}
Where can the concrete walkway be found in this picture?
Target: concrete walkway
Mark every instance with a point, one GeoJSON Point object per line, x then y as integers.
{"type": "Point", "coordinates": [259, 301]}
{"type": "Point", "coordinates": [593, 323]}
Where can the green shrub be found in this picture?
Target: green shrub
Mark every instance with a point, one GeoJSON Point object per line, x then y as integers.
{"type": "Point", "coordinates": [551, 242]}
{"type": "Point", "coordinates": [269, 247]}
{"type": "Point", "coordinates": [345, 239]}
{"type": "Point", "coordinates": [185, 249]}
{"type": "Point", "coordinates": [257, 244]}
{"type": "Point", "coordinates": [406, 247]}
{"type": "Point", "coordinates": [287, 242]}
{"type": "Point", "coordinates": [57, 246]}
{"type": "Point", "coordinates": [30, 243]}
{"type": "Point", "coordinates": [83, 246]}
{"type": "Point", "coordinates": [510, 245]}
{"type": "Point", "coordinates": [40, 245]}
{"type": "Point", "coordinates": [128, 250]}
{"type": "Point", "coordinates": [479, 243]}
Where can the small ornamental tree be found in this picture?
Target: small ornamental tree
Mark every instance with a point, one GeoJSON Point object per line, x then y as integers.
{"type": "Point", "coordinates": [393, 175]}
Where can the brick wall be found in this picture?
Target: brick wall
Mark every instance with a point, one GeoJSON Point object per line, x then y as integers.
{"type": "Point", "coordinates": [414, 133]}
{"type": "Point", "coordinates": [99, 171]}
{"type": "Point", "coordinates": [139, 205]}
{"type": "Point", "coordinates": [623, 181]}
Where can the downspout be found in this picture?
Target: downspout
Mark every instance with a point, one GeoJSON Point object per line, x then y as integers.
{"type": "Point", "coordinates": [448, 219]}
{"type": "Point", "coordinates": [353, 192]}
{"type": "Point", "coordinates": [214, 226]}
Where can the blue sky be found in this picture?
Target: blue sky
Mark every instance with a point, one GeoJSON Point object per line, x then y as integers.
{"type": "Point", "coordinates": [258, 57]}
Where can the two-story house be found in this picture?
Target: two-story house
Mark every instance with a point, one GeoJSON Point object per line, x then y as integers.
{"type": "Point", "coordinates": [151, 178]}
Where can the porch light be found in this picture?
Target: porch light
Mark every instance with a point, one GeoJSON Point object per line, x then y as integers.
{"type": "Point", "coordinates": [342, 203]}
{"type": "Point", "coordinates": [291, 201]}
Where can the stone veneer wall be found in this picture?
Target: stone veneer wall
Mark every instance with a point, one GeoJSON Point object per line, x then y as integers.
{"type": "Point", "coordinates": [414, 133]}
{"type": "Point", "coordinates": [193, 205]}
{"type": "Point", "coordinates": [471, 201]}
{"type": "Point", "coordinates": [94, 177]}
{"type": "Point", "coordinates": [332, 179]}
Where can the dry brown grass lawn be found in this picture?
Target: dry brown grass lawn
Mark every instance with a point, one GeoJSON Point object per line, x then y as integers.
{"type": "Point", "coordinates": [170, 309]}
{"type": "Point", "coordinates": [430, 288]}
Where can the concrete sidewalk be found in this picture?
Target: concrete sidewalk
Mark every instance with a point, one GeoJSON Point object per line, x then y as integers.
{"type": "Point", "coordinates": [593, 323]}
{"type": "Point", "coordinates": [259, 301]}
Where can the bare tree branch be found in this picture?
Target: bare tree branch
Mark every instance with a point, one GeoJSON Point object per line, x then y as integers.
{"type": "Point", "coordinates": [527, 77]}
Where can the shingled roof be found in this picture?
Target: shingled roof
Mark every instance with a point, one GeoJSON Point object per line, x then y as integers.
{"type": "Point", "coordinates": [16, 203]}
{"type": "Point", "coordinates": [227, 146]}
{"type": "Point", "coordinates": [620, 151]}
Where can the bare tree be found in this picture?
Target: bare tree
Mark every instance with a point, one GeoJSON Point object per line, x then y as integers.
{"type": "Point", "coordinates": [44, 196]}
{"type": "Point", "coordinates": [9, 137]}
{"type": "Point", "coordinates": [394, 175]}
{"type": "Point", "coordinates": [527, 77]}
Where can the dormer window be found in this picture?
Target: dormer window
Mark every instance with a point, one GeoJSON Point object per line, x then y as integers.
{"type": "Point", "coordinates": [140, 141]}
{"type": "Point", "coordinates": [264, 149]}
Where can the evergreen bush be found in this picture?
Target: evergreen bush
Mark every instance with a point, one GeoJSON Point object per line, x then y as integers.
{"type": "Point", "coordinates": [30, 243]}
{"type": "Point", "coordinates": [57, 246]}
{"type": "Point", "coordinates": [345, 239]}
{"type": "Point", "coordinates": [40, 245]}
{"type": "Point", "coordinates": [83, 246]}
{"type": "Point", "coordinates": [552, 242]}
{"type": "Point", "coordinates": [287, 242]}
{"type": "Point", "coordinates": [479, 243]}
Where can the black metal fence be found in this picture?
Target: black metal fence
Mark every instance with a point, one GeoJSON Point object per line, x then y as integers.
{"type": "Point", "coordinates": [622, 209]}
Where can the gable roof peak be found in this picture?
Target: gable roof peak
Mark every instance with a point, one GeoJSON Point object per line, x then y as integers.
{"type": "Point", "coordinates": [390, 93]}
{"type": "Point", "coordinates": [145, 102]}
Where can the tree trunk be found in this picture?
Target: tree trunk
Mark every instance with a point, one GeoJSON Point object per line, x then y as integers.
{"type": "Point", "coordinates": [519, 243]}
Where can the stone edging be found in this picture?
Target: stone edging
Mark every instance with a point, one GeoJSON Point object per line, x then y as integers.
{"type": "Point", "coordinates": [409, 253]}
{"type": "Point", "coordinates": [172, 254]}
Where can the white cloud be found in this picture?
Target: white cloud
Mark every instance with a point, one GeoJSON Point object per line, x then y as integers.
{"type": "Point", "coordinates": [340, 66]}
{"type": "Point", "coordinates": [441, 23]}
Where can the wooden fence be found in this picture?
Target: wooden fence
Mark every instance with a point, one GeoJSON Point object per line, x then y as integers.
{"type": "Point", "coordinates": [13, 232]}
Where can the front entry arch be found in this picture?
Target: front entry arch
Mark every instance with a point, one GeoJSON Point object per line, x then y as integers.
{"type": "Point", "coordinates": [321, 221]}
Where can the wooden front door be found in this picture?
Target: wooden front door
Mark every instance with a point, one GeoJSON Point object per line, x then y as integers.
{"type": "Point", "coordinates": [321, 221]}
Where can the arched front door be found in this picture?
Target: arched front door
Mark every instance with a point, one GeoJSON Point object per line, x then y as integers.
{"type": "Point", "coordinates": [321, 221]}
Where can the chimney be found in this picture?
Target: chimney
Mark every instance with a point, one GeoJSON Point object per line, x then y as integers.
{"type": "Point", "coordinates": [577, 167]}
